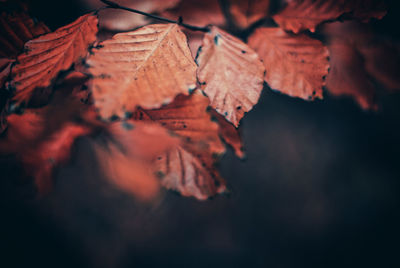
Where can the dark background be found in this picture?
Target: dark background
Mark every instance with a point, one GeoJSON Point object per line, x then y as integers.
{"type": "Point", "coordinates": [320, 188]}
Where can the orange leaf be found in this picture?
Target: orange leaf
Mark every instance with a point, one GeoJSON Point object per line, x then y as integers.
{"type": "Point", "coordinates": [120, 20]}
{"type": "Point", "coordinates": [358, 57]}
{"type": "Point", "coordinates": [147, 67]}
{"type": "Point", "coordinates": [295, 65]}
{"type": "Point", "coordinates": [189, 168]}
{"type": "Point", "coordinates": [197, 12]}
{"type": "Point", "coordinates": [128, 161]}
{"type": "Point", "coordinates": [231, 74]}
{"type": "Point", "coordinates": [51, 53]}
{"type": "Point", "coordinates": [247, 12]}
{"type": "Point", "coordinates": [301, 15]}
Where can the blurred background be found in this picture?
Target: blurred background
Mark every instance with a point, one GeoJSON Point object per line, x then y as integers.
{"type": "Point", "coordinates": [320, 188]}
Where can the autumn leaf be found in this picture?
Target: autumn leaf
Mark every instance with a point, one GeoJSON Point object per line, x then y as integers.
{"type": "Point", "coordinates": [147, 67]}
{"type": "Point", "coordinates": [359, 59]}
{"type": "Point", "coordinates": [197, 12]}
{"type": "Point", "coordinates": [189, 167]}
{"type": "Point", "coordinates": [295, 64]}
{"type": "Point", "coordinates": [301, 15]}
{"type": "Point", "coordinates": [121, 20]}
{"type": "Point", "coordinates": [245, 12]}
{"type": "Point", "coordinates": [47, 55]}
{"type": "Point", "coordinates": [127, 158]}
{"type": "Point", "coordinates": [231, 74]}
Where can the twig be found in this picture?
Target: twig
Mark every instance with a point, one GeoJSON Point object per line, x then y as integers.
{"type": "Point", "coordinates": [111, 4]}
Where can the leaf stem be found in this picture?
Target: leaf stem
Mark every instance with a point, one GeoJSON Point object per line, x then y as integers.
{"type": "Point", "coordinates": [112, 4]}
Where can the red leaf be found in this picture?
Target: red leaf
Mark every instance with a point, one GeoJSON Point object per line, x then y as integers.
{"type": "Point", "coordinates": [51, 53]}
{"type": "Point", "coordinates": [231, 74]}
{"type": "Point", "coordinates": [189, 168]}
{"type": "Point", "coordinates": [295, 64]}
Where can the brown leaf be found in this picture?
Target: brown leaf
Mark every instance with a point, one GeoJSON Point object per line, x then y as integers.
{"type": "Point", "coordinates": [231, 74]}
{"type": "Point", "coordinates": [295, 65]}
{"type": "Point", "coordinates": [121, 20]}
{"type": "Point", "coordinates": [51, 53]}
{"type": "Point", "coordinates": [128, 158]}
{"type": "Point", "coordinates": [197, 12]}
{"type": "Point", "coordinates": [189, 167]}
{"type": "Point", "coordinates": [301, 15]}
{"type": "Point", "coordinates": [147, 67]}
{"type": "Point", "coordinates": [247, 12]}
{"type": "Point", "coordinates": [358, 57]}
{"type": "Point", "coordinates": [16, 29]}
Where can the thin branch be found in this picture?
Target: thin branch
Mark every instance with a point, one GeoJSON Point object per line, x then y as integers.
{"type": "Point", "coordinates": [111, 4]}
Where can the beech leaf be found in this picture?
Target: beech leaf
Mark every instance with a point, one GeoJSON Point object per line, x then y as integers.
{"type": "Point", "coordinates": [231, 74]}
{"type": "Point", "coordinates": [47, 55]}
{"type": "Point", "coordinates": [189, 167]}
{"type": "Point", "coordinates": [147, 67]}
{"type": "Point", "coordinates": [295, 65]}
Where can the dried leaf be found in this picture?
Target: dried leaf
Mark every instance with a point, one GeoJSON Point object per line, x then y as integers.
{"type": "Point", "coordinates": [147, 67]}
{"type": "Point", "coordinates": [197, 12]}
{"type": "Point", "coordinates": [120, 20]}
{"type": "Point", "coordinates": [128, 159]}
{"type": "Point", "coordinates": [301, 15]}
{"type": "Point", "coordinates": [247, 12]}
{"type": "Point", "coordinates": [358, 57]}
{"type": "Point", "coordinates": [189, 168]}
{"type": "Point", "coordinates": [295, 65]}
{"type": "Point", "coordinates": [231, 74]}
{"type": "Point", "coordinates": [51, 53]}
